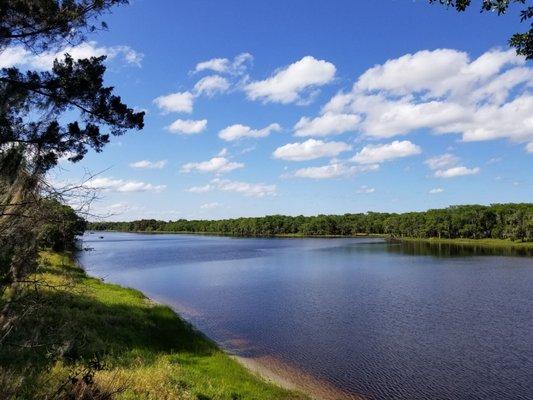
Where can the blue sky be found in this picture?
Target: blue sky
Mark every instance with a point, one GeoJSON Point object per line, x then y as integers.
{"type": "Point", "coordinates": [405, 106]}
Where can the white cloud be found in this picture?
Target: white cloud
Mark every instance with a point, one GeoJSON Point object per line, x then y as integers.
{"type": "Point", "coordinates": [436, 191]}
{"type": "Point", "coordinates": [217, 165]}
{"type": "Point", "coordinates": [414, 72]}
{"type": "Point", "coordinates": [211, 85]}
{"type": "Point", "coordinates": [19, 56]}
{"type": "Point", "coordinates": [120, 185]}
{"type": "Point", "coordinates": [289, 84]}
{"type": "Point", "coordinates": [200, 189]}
{"type": "Point", "coordinates": [333, 170]}
{"type": "Point", "coordinates": [444, 91]}
{"type": "Point", "coordinates": [456, 171]}
{"type": "Point", "coordinates": [222, 153]}
{"type": "Point", "coordinates": [327, 124]}
{"type": "Point", "coordinates": [366, 190]}
{"type": "Point", "coordinates": [237, 66]}
{"type": "Point", "coordinates": [446, 166]}
{"type": "Point", "coordinates": [209, 206]}
{"type": "Point", "coordinates": [529, 147]}
{"type": "Point", "coordinates": [145, 164]}
{"type": "Point", "coordinates": [247, 189]}
{"type": "Point", "coordinates": [187, 126]}
{"type": "Point", "coordinates": [310, 150]}
{"type": "Point", "coordinates": [239, 131]}
{"type": "Point", "coordinates": [175, 102]}
{"type": "Point", "coordinates": [14, 55]}
{"type": "Point", "coordinates": [215, 64]}
{"type": "Point", "coordinates": [372, 154]}
{"type": "Point", "coordinates": [442, 161]}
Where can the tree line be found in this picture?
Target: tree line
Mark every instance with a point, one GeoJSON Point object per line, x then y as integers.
{"type": "Point", "coordinates": [497, 221]}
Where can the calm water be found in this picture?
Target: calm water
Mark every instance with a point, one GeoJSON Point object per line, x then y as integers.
{"type": "Point", "coordinates": [389, 321]}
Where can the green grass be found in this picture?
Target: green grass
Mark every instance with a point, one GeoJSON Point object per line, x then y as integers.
{"type": "Point", "coordinates": [494, 243]}
{"type": "Point", "coordinates": [147, 350]}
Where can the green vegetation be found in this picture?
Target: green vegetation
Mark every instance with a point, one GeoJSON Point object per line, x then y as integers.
{"type": "Point", "coordinates": [97, 338]}
{"type": "Point", "coordinates": [522, 42]}
{"type": "Point", "coordinates": [493, 243]}
{"type": "Point", "coordinates": [509, 222]}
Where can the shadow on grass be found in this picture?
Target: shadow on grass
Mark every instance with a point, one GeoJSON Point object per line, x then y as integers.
{"type": "Point", "coordinates": [89, 319]}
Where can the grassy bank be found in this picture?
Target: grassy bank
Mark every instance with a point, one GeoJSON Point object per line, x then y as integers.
{"type": "Point", "coordinates": [133, 347]}
{"type": "Point", "coordinates": [494, 243]}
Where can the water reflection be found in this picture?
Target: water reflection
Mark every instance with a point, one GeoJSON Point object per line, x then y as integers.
{"type": "Point", "coordinates": [454, 250]}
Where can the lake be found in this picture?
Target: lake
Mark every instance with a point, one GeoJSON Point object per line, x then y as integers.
{"type": "Point", "coordinates": [385, 320]}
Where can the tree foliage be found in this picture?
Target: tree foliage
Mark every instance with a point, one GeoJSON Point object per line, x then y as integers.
{"type": "Point", "coordinates": [61, 226]}
{"type": "Point", "coordinates": [522, 42]}
{"type": "Point", "coordinates": [34, 105]}
{"type": "Point", "coordinates": [39, 24]}
{"type": "Point", "coordinates": [498, 221]}
{"type": "Point", "coordinates": [46, 115]}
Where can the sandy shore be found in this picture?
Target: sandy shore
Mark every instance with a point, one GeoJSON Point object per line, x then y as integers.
{"type": "Point", "coordinates": [268, 368]}
{"type": "Point", "coordinates": [289, 377]}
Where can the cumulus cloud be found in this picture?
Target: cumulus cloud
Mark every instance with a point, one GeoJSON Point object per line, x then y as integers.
{"type": "Point", "coordinates": [456, 171]}
{"type": "Point", "coordinates": [145, 164]}
{"type": "Point", "coordinates": [372, 154]}
{"type": "Point", "coordinates": [444, 91]}
{"type": "Point", "coordinates": [333, 170]}
{"type": "Point", "coordinates": [187, 126]}
{"type": "Point", "coordinates": [442, 161]}
{"type": "Point", "coordinates": [215, 64]}
{"type": "Point", "coordinates": [327, 124]}
{"type": "Point", "coordinates": [447, 166]}
{"type": "Point", "coordinates": [175, 102]}
{"type": "Point", "coordinates": [291, 83]}
{"type": "Point", "coordinates": [120, 185]}
{"type": "Point", "coordinates": [245, 188]}
{"type": "Point", "coordinates": [211, 85]}
{"type": "Point", "coordinates": [208, 85]}
{"type": "Point", "coordinates": [218, 165]}
{"type": "Point", "coordinates": [237, 66]}
{"type": "Point", "coordinates": [238, 131]}
{"type": "Point", "coordinates": [436, 191]}
{"type": "Point", "coordinates": [529, 147]}
{"type": "Point", "coordinates": [310, 150]}
{"type": "Point", "coordinates": [19, 56]}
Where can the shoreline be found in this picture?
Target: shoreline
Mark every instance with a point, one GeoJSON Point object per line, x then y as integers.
{"type": "Point", "coordinates": [499, 243]}
{"type": "Point", "coordinates": [279, 235]}
{"type": "Point", "coordinates": [147, 349]}
{"type": "Point", "coordinates": [268, 369]}
{"type": "Point", "coordinates": [288, 377]}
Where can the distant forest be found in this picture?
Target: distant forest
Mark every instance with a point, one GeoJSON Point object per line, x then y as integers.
{"type": "Point", "coordinates": [498, 221]}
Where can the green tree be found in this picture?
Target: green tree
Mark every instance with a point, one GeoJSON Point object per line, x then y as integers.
{"type": "Point", "coordinates": [46, 115]}
{"type": "Point", "coordinates": [522, 42]}
{"type": "Point", "coordinates": [62, 226]}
